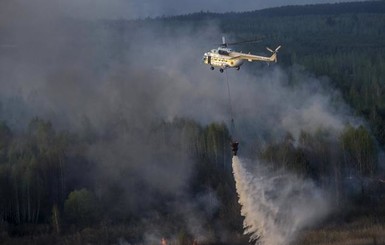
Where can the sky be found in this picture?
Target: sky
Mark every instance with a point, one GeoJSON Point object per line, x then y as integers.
{"type": "Point", "coordinates": [122, 9]}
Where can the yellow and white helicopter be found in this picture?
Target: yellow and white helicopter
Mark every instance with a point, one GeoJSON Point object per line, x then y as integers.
{"type": "Point", "coordinates": [224, 57]}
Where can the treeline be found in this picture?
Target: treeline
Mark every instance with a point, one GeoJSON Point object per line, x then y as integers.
{"type": "Point", "coordinates": [49, 184]}
{"type": "Point", "coordinates": [343, 41]}
{"type": "Point", "coordinates": [346, 165]}
{"type": "Point", "coordinates": [345, 46]}
{"type": "Point", "coordinates": [325, 9]}
{"type": "Point", "coordinates": [292, 10]}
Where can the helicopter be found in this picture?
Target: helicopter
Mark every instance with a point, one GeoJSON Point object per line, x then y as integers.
{"type": "Point", "coordinates": [224, 57]}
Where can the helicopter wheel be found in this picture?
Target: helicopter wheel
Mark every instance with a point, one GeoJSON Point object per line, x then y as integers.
{"type": "Point", "coordinates": [221, 70]}
{"type": "Point", "coordinates": [212, 68]}
{"type": "Point", "coordinates": [238, 68]}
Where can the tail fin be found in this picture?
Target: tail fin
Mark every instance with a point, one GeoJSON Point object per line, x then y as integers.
{"type": "Point", "coordinates": [274, 55]}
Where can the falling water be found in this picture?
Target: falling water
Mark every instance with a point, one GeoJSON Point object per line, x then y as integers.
{"type": "Point", "coordinates": [276, 205]}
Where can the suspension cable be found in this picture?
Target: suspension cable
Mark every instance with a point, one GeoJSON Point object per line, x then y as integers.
{"type": "Point", "coordinates": [232, 127]}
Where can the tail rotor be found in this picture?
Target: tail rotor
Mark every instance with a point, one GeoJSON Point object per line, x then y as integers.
{"type": "Point", "coordinates": [274, 51]}
{"type": "Point", "coordinates": [274, 55]}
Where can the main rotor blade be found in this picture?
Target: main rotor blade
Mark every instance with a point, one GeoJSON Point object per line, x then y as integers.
{"type": "Point", "coordinates": [248, 41]}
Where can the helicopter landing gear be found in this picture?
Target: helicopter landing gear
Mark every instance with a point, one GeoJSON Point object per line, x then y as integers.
{"type": "Point", "coordinates": [221, 70]}
{"type": "Point", "coordinates": [238, 67]}
{"type": "Point", "coordinates": [211, 68]}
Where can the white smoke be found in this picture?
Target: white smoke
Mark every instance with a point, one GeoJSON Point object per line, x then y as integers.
{"type": "Point", "coordinates": [276, 206]}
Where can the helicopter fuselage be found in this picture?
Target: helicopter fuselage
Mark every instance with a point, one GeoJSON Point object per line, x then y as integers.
{"type": "Point", "coordinates": [224, 57]}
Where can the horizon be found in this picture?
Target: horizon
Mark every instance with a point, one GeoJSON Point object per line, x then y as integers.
{"type": "Point", "coordinates": [138, 9]}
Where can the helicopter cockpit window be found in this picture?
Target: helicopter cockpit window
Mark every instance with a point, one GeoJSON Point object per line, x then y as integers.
{"type": "Point", "coordinates": [223, 52]}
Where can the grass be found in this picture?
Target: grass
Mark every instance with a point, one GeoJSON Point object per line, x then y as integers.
{"type": "Point", "coordinates": [359, 232]}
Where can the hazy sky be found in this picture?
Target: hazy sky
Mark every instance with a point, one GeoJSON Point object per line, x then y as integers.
{"type": "Point", "coordinates": [151, 8]}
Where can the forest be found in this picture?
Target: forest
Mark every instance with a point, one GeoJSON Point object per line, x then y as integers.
{"type": "Point", "coordinates": [341, 41]}
{"type": "Point", "coordinates": [138, 179]}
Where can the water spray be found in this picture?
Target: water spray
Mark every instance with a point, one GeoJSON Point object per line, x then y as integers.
{"type": "Point", "coordinates": [276, 205]}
